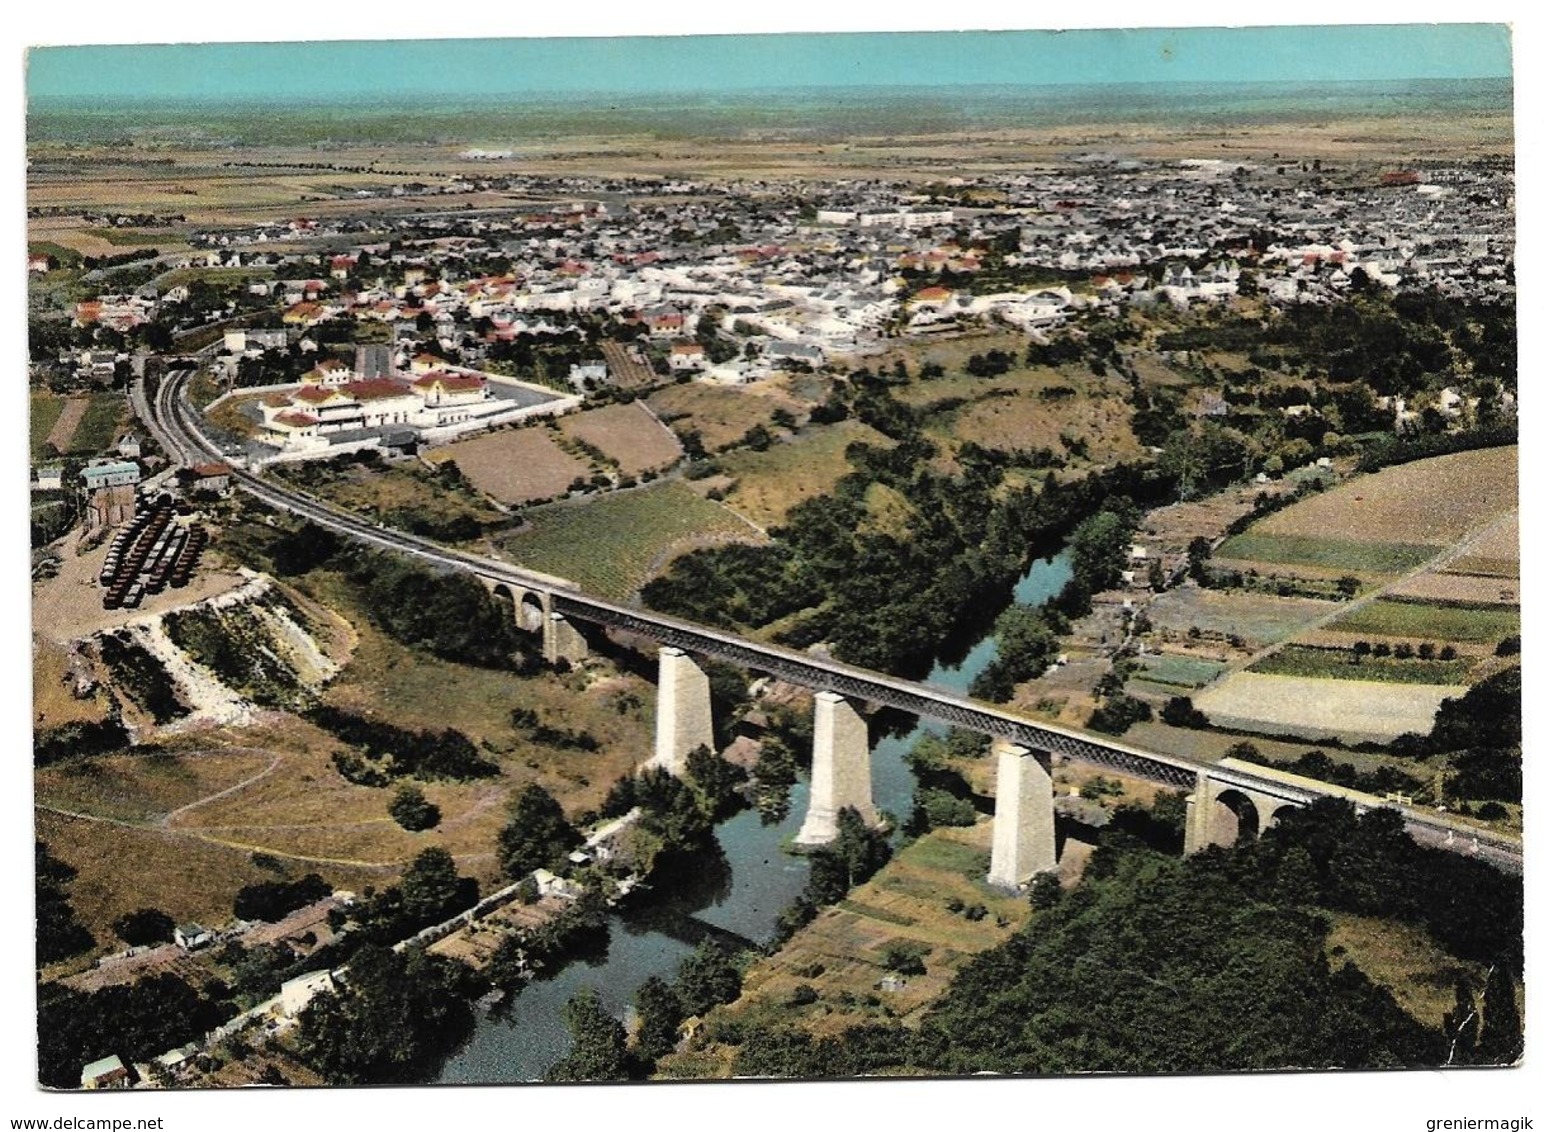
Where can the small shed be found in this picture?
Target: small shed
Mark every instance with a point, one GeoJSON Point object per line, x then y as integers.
{"type": "Point", "coordinates": [108, 1073]}
{"type": "Point", "coordinates": [191, 936]}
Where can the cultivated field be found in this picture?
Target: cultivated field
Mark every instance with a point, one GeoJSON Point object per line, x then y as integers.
{"type": "Point", "coordinates": [1428, 622]}
{"type": "Point", "coordinates": [61, 434]}
{"type": "Point", "coordinates": [1442, 588]}
{"type": "Point", "coordinates": [1314, 708]}
{"type": "Point", "coordinates": [1430, 502]}
{"type": "Point", "coordinates": [1178, 671]}
{"type": "Point", "coordinates": [515, 465]}
{"type": "Point", "coordinates": [612, 544]}
{"type": "Point", "coordinates": [627, 434]}
{"type": "Point", "coordinates": [1339, 554]}
{"type": "Point", "coordinates": [105, 418]}
{"type": "Point", "coordinates": [1261, 619]}
{"type": "Point", "coordinates": [1494, 553]}
{"type": "Point", "coordinates": [81, 426]}
{"type": "Point", "coordinates": [1343, 664]}
{"type": "Point", "coordinates": [769, 484]}
{"type": "Point", "coordinates": [44, 410]}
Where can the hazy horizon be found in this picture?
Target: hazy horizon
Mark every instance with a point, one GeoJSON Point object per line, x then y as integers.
{"type": "Point", "coordinates": [746, 64]}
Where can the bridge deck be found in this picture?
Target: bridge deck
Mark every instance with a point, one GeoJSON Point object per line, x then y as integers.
{"type": "Point", "coordinates": [171, 420]}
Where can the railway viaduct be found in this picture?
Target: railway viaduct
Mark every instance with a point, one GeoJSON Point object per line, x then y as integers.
{"type": "Point", "coordinates": [1225, 801]}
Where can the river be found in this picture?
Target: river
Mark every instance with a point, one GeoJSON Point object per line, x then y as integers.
{"type": "Point", "coordinates": [742, 895]}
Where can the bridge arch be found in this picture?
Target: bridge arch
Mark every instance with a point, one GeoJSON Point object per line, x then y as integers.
{"type": "Point", "coordinates": [1234, 818]}
{"type": "Point", "coordinates": [1271, 809]}
{"type": "Point", "coordinates": [530, 610]}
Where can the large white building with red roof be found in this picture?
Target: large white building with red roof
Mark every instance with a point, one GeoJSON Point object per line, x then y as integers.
{"type": "Point", "coordinates": [337, 404]}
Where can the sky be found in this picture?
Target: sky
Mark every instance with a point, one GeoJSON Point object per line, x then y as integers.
{"type": "Point", "coordinates": [264, 71]}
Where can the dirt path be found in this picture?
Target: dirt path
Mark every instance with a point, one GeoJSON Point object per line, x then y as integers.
{"type": "Point", "coordinates": [63, 432]}
{"type": "Point", "coordinates": [194, 835]}
{"type": "Point", "coordinates": [166, 819]}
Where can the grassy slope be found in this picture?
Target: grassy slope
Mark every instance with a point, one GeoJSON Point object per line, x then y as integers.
{"type": "Point", "coordinates": [613, 544]}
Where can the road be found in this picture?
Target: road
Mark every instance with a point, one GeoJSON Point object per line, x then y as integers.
{"type": "Point", "coordinates": [175, 426]}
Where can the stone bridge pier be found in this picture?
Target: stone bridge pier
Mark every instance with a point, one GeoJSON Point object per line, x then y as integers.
{"type": "Point", "coordinates": [840, 775]}
{"type": "Point", "coordinates": [683, 719]}
{"type": "Point", "coordinates": [1024, 824]}
{"type": "Point", "coordinates": [1225, 814]}
{"type": "Point", "coordinates": [534, 613]}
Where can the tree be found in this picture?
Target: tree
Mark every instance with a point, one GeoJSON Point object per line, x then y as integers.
{"type": "Point", "coordinates": [671, 811]}
{"type": "Point", "coordinates": [1180, 711]}
{"type": "Point", "coordinates": [718, 779]}
{"type": "Point", "coordinates": [1026, 646]}
{"type": "Point", "coordinates": [388, 1020]}
{"type": "Point", "coordinates": [660, 1016]}
{"type": "Point", "coordinates": [411, 810]}
{"type": "Point", "coordinates": [538, 835]}
{"type": "Point", "coordinates": [1199, 551]}
{"type": "Point", "coordinates": [905, 958]}
{"type": "Point", "coordinates": [707, 978]}
{"type": "Point", "coordinates": [1045, 891]}
{"type": "Point", "coordinates": [59, 933]}
{"type": "Point", "coordinates": [1116, 715]}
{"type": "Point", "coordinates": [432, 890]}
{"type": "Point", "coordinates": [1297, 881]}
{"type": "Point", "coordinates": [599, 1050]}
{"type": "Point", "coordinates": [143, 927]}
{"type": "Point", "coordinates": [271, 901]}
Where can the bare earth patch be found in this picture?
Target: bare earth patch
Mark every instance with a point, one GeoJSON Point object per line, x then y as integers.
{"type": "Point", "coordinates": [1459, 588]}
{"type": "Point", "coordinates": [721, 415]}
{"type": "Point", "coordinates": [517, 465]}
{"type": "Point", "coordinates": [1320, 708]}
{"type": "Point", "coordinates": [628, 434]}
{"type": "Point", "coordinates": [62, 435]}
{"type": "Point", "coordinates": [69, 605]}
{"type": "Point", "coordinates": [1258, 618]}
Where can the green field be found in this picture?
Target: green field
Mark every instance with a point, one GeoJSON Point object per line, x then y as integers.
{"type": "Point", "coordinates": [43, 411]}
{"type": "Point", "coordinates": [768, 484]}
{"type": "Point", "coordinates": [613, 544]}
{"type": "Point", "coordinates": [126, 238]}
{"type": "Point", "coordinates": [1329, 553]}
{"type": "Point", "coordinates": [182, 276]}
{"type": "Point", "coordinates": [1179, 671]}
{"type": "Point", "coordinates": [1341, 664]}
{"type": "Point", "coordinates": [99, 427]}
{"type": "Point", "coordinates": [1429, 622]}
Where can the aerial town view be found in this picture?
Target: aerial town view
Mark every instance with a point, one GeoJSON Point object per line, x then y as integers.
{"type": "Point", "coordinates": [711, 558]}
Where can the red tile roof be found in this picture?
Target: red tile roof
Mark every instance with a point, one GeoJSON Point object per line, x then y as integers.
{"type": "Point", "coordinates": [452, 382]}
{"type": "Point", "coordinates": [375, 388]}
